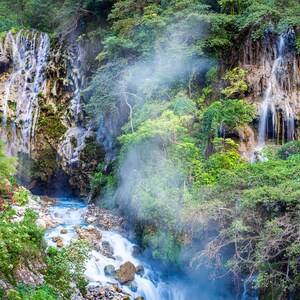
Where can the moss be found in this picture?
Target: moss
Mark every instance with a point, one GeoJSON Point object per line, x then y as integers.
{"type": "Point", "coordinates": [47, 109]}
{"type": "Point", "coordinates": [52, 126]}
{"type": "Point", "coordinates": [46, 163]}
{"type": "Point", "coordinates": [12, 105]}
{"type": "Point", "coordinates": [92, 151]}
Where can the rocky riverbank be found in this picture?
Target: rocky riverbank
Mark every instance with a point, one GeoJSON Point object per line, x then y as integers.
{"type": "Point", "coordinates": [120, 281]}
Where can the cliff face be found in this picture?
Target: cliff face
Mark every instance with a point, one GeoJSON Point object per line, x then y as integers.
{"type": "Point", "coordinates": [42, 113]}
{"type": "Point", "coordinates": [273, 76]}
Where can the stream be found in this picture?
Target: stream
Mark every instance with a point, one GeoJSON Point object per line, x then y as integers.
{"type": "Point", "coordinates": [150, 285]}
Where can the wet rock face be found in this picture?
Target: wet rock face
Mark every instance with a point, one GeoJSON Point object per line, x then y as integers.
{"type": "Point", "coordinates": [273, 71]}
{"type": "Point", "coordinates": [40, 104]}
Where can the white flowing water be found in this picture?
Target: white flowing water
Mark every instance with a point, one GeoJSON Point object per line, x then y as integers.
{"type": "Point", "coordinates": [28, 52]}
{"type": "Point", "coordinates": [150, 285]}
{"type": "Point", "coordinates": [280, 96]}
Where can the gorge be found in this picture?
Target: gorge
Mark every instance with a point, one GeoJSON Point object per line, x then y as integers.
{"type": "Point", "coordinates": [167, 133]}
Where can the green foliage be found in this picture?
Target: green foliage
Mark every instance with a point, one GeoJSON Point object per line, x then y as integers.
{"type": "Point", "coordinates": [7, 165]}
{"type": "Point", "coordinates": [66, 265]}
{"type": "Point", "coordinates": [163, 245]}
{"type": "Point", "coordinates": [289, 149]}
{"type": "Point", "coordinates": [18, 240]}
{"type": "Point", "coordinates": [236, 83]}
{"type": "Point", "coordinates": [28, 292]}
{"type": "Point", "coordinates": [52, 126]}
{"type": "Point", "coordinates": [260, 205]}
{"type": "Point", "coordinates": [232, 113]}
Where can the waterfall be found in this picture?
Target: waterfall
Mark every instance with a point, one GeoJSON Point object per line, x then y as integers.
{"type": "Point", "coordinates": [277, 111]}
{"type": "Point", "coordinates": [75, 57]}
{"type": "Point", "coordinates": [27, 51]}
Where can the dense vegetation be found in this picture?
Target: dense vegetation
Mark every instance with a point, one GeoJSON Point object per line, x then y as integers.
{"type": "Point", "coordinates": [179, 174]}
{"type": "Point", "coordinates": [22, 242]}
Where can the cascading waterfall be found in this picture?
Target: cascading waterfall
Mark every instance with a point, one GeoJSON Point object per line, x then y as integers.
{"type": "Point", "coordinates": [28, 52]}
{"type": "Point", "coordinates": [75, 57]}
{"type": "Point", "coordinates": [277, 111]}
{"type": "Point", "coordinates": [74, 140]}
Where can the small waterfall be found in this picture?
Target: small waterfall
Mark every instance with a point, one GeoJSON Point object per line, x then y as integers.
{"type": "Point", "coordinates": [27, 51]}
{"type": "Point", "coordinates": [75, 57]}
{"type": "Point", "coordinates": [73, 143]}
{"type": "Point", "coordinates": [277, 111]}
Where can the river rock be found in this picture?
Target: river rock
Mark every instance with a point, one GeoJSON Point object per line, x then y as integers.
{"type": "Point", "coordinates": [59, 244]}
{"type": "Point", "coordinates": [110, 270]}
{"type": "Point", "coordinates": [136, 251]}
{"type": "Point", "coordinates": [48, 200]}
{"type": "Point", "coordinates": [64, 231]}
{"type": "Point", "coordinates": [126, 273]}
{"type": "Point", "coordinates": [140, 270]}
{"type": "Point", "coordinates": [107, 292]}
{"type": "Point", "coordinates": [106, 249]}
{"type": "Point", "coordinates": [91, 219]}
{"type": "Point", "coordinates": [103, 218]}
{"type": "Point", "coordinates": [133, 286]}
{"type": "Point", "coordinates": [90, 234]}
{"type": "Point", "coordinates": [139, 298]}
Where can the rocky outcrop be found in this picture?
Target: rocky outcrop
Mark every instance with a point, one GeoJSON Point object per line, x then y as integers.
{"type": "Point", "coordinates": [42, 112]}
{"type": "Point", "coordinates": [273, 73]}
{"type": "Point", "coordinates": [103, 219]}
{"type": "Point", "coordinates": [40, 206]}
{"type": "Point", "coordinates": [90, 234]}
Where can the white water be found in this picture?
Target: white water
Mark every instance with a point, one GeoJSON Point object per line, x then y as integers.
{"type": "Point", "coordinates": [280, 95]}
{"type": "Point", "coordinates": [28, 52]}
{"type": "Point", "coordinates": [150, 285]}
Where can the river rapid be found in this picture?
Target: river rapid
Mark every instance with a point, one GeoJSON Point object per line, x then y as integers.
{"type": "Point", "coordinates": [149, 285]}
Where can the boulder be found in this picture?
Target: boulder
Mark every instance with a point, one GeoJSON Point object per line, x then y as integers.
{"type": "Point", "coordinates": [140, 270]}
{"type": "Point", "coordinates": [91, 219]}
{"type": "Point", "coordinates": [136, 251]}
{"type": "Point", "coordinates": [126, 273]}
{"type": "Point", "coordinates": [133, 286]}
{"type": "Point", "coordinates": [59, 244]}
{"type": "Point", "coordinates": [110, 270]}
{"type": "Point", "coordinates": [64, 231]}
{"type": "Point", "coordinates": [106, 249]}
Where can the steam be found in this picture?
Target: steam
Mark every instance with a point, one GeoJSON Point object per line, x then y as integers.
{"type": "Point", "coordinates": [150, 182]}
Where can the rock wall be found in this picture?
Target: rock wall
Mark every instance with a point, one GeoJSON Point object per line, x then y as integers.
{"type": "Point", "coordinates": [273, 76]}
{"type": "Point", "coordinates": [42, 113]}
